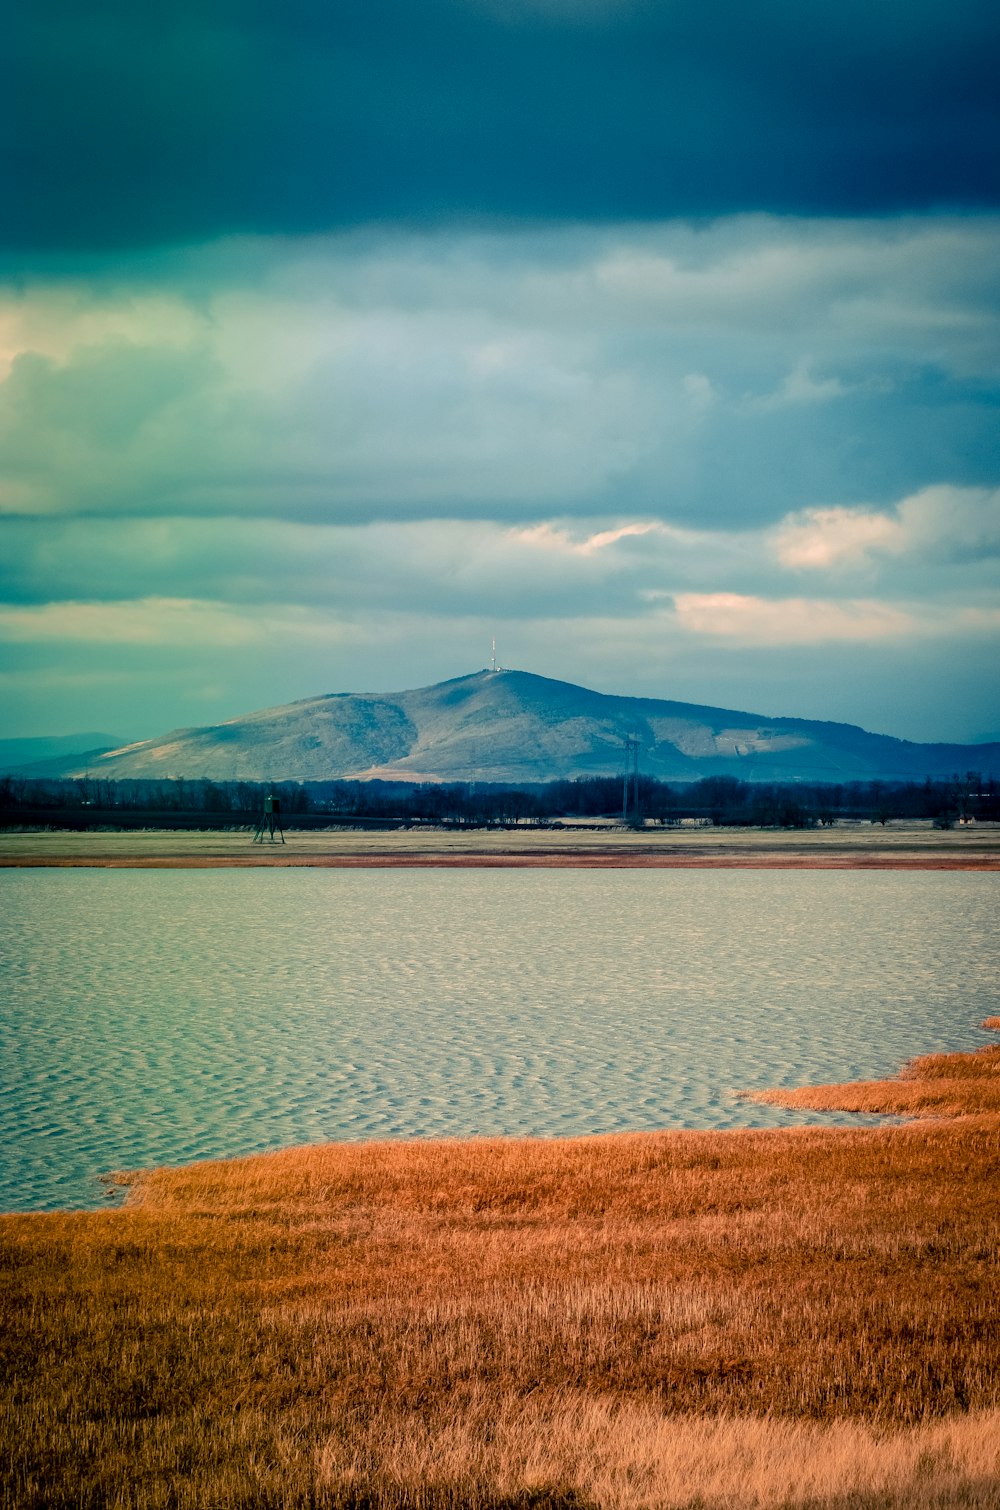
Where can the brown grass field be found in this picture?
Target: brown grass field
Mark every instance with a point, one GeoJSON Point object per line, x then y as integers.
{"type": "Point", "coordinates": [795, 1318]}
{"type": "Point", "coordinates": [847, 846]}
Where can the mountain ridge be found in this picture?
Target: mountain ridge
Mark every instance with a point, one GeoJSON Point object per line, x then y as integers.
{"type": "Point", "coordinates": [512, 726]}
{"type": "Point", "coordinates": [47, 754]}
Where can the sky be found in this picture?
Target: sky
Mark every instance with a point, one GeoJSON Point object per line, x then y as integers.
{"type": "Point", "coordinates": [659, 339]}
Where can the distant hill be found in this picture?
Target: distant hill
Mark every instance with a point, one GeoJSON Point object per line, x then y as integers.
{"type": "Point", "coordinates": [511, 726]}
{"type": "Point", "coordinates": [48, 756]}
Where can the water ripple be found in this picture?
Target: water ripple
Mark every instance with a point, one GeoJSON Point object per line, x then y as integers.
{"type": "Point", "coordinates": [160, 1016]}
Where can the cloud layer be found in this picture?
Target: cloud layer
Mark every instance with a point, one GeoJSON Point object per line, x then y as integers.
{"type": "Point", "coordinates": [186, 121]}
{"type": "Point", "coordinates": [661, 339]}
{"type": "Point", "coordinates": [728, 373]}
{"type": "Point", "coordinates": [754, 438]}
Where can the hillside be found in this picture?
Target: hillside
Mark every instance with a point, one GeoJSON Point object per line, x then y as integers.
{"type": "Point", "coordinates": [512, 726]}
{"type": "Point", "coordinates": [52, 756]}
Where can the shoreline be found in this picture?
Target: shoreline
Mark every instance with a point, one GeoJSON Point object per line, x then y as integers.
{"type": "Point", "coordinates": [512, 862]}
{"type": "Point", "coordinates": [936, 1087]}
{"type": "Point", "coordinates": [689, 1320]}
{"type": "Point", "coordinates": [900, 846]}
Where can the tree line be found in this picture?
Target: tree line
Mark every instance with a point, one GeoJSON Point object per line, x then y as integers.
{"type": "Point", "coordinates": [718, 800]}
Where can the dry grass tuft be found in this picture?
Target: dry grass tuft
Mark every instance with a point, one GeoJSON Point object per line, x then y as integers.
{"type": "Point", "coordinates": [936, 1085]}
{"type": "Point", "coordinates": [804, 1317]}
{"type": "Point", "coordinates": [575, 1449]}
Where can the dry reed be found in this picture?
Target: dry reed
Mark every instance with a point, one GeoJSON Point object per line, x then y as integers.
{"type": "Point", "coordinates": [579, 1449]}
{"type": "Point", "coordinates": [940, 1085]}
{"type": "Point", "coordinates": [805, 1317]}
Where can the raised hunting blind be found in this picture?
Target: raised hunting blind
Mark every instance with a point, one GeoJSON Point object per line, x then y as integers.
{"type": "Point", "coordinates": [269, 820]}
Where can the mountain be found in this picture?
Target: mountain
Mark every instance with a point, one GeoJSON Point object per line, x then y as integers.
{"type": "Point", "coordinates": [511, 726]}
{"type": "Point", "coordinates": [48, 756]}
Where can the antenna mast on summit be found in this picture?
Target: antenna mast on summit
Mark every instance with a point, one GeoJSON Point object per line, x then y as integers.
{"type": "Point", "coordinates": [493, 657]}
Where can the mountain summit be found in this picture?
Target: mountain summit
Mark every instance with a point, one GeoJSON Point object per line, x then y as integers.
{"type": "Point", "coordinates": [512, 726]}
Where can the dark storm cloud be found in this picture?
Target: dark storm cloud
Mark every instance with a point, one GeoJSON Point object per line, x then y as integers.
{"type": "Point", "coordinates": [166, 122]}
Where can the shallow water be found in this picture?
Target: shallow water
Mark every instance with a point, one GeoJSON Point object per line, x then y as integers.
{"type": "Point", "coordinates": [161, 1016]}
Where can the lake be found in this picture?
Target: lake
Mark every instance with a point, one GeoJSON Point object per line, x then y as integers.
{"type": "Point", "coordinates": [162, 1016]}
